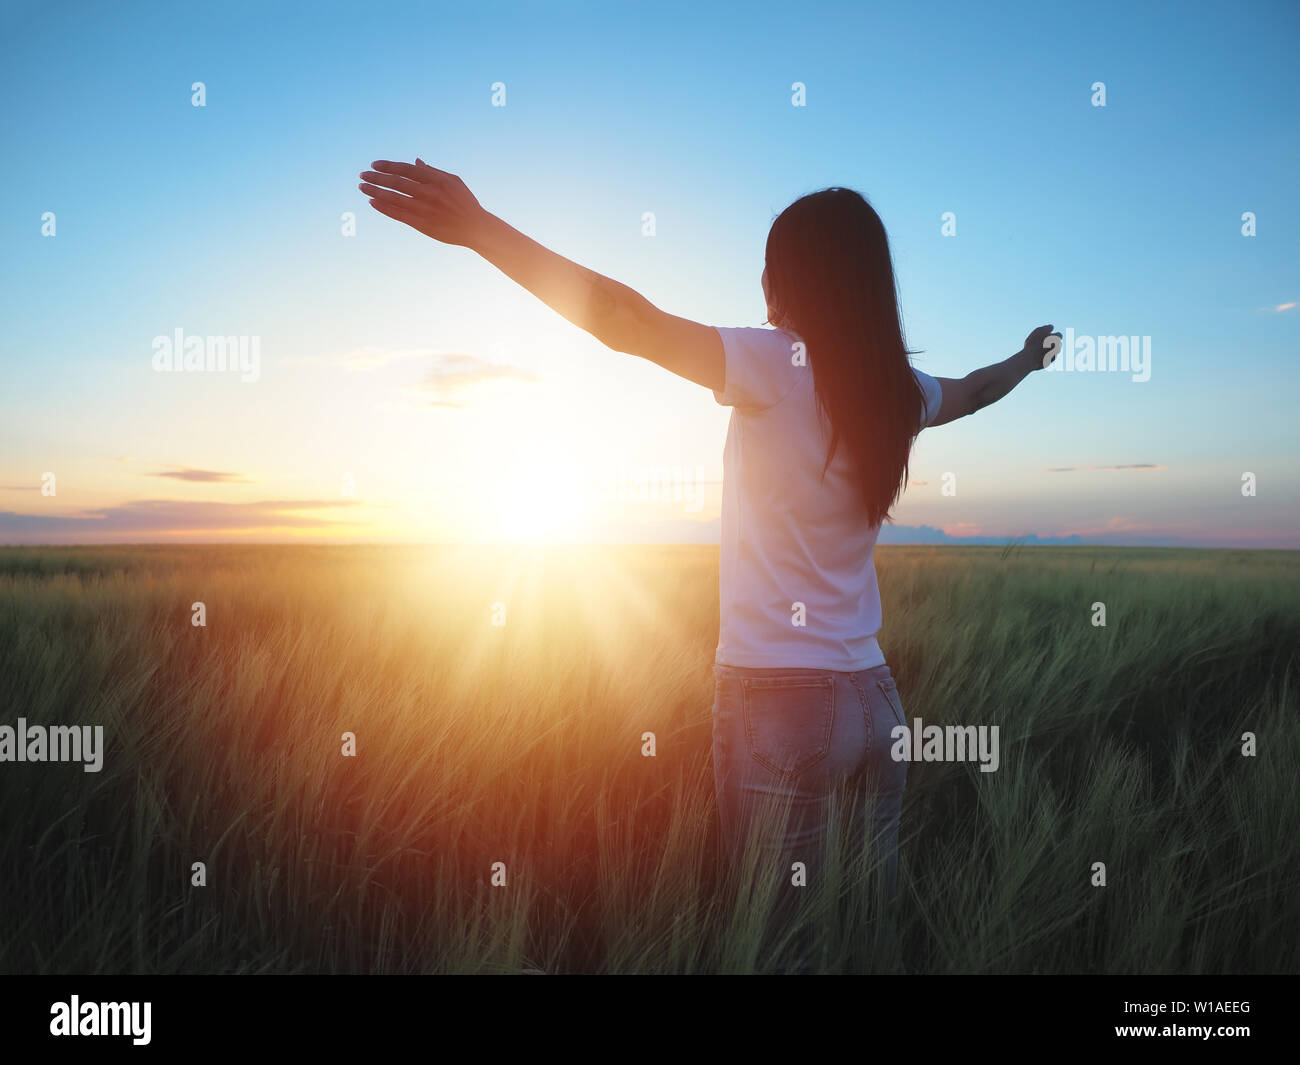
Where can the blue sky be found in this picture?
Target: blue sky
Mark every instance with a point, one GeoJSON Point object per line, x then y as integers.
{"type": "Point", "coordinates": [457, 407]}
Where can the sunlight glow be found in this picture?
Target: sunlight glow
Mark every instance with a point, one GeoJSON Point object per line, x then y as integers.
{"type": "Point", "coordinates": [541, 501]}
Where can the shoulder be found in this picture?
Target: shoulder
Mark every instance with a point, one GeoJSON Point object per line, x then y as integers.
{"type": "Point", "coordinates": [932, 394]}
{"type": "Point", "coordinates": [763, 365]}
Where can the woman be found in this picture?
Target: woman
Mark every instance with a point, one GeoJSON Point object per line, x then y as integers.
{"type": "Point", "coordinates": [825, 408]}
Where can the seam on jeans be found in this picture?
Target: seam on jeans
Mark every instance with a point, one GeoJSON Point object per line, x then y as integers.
{"type": "Point", "coordinates": [866, 713]}
{"type": "Point", "coordinates": [776, 683]}
{"type": "Point", "coordinates": [892, 698]}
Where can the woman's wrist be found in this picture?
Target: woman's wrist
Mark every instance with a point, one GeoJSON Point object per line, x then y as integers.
{"type": "Point", "coordinates": [486, 234]}
{"type": "Point", "coordinates": [1031, 360]}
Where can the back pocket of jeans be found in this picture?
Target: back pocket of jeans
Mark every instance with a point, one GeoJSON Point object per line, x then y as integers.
{"type": "Point", "coordinates": [788, 721]}
{"type": "Point", "coordinates": [890, 691]}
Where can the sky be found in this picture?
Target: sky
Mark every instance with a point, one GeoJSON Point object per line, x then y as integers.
{"type": "Point", "coordinates": [405, 391]}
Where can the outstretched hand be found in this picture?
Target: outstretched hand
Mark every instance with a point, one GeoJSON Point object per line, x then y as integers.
{"type": "Point", "coordinates": [425, 198]}
{"type": "Point", "coordinates": [1044, 345]}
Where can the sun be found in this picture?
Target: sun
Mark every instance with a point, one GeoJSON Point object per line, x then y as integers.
{"type": "Point", "coordinates": [540, 501]}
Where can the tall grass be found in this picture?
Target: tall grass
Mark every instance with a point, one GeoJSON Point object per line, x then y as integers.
{"type": "Point", "coordinates": [522, 744]}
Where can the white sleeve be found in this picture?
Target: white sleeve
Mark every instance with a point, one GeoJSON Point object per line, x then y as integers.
{"type": "Point", "coordinates": [760, 367]}
{"type": "Point", "coordinates": [933, 396]}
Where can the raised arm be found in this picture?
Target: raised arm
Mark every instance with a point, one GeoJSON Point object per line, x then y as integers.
{"type": "Point", "coordinates": [966, 395]}
{"type": "Point", "coordinates": [439, 205]}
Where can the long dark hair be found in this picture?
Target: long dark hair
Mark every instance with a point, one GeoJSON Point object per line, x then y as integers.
{"type": "Point", "coordinates": [830, 281]}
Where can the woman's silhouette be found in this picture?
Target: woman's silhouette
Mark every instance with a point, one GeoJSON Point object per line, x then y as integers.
{"type": "Point", "coordinates": [826, 406]}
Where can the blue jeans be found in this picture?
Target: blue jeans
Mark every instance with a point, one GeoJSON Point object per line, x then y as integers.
{"type": "Point", "coordinates": [788, 741]}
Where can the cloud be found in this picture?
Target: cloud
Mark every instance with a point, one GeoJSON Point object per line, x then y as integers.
{"type": "Point", "coordinates": [1285, 307]}
{"type": "Point", "coordinates": [360, 359]}
{"type": "Point", "coordinates": [373, 358]}
{"type": "Point", "coordinates": [1130, 466]}
{"type": "Point", "coordinates": [184, 473]}
{"type": "Point", "coordinates": [453, 374]}
{"type": "Point", "coordinates": [1116, 524]}
{"type": "Point", "coordinates": [176, 517]}
{"type": "Point", "coordinates": [450, 374]}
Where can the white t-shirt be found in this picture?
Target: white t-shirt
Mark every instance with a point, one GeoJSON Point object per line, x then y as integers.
{"type": "Point", "coordinates": [788, 537]}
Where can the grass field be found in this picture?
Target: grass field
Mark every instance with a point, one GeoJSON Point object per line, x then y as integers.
{"type": "Point", "coordinates": [521, 743]}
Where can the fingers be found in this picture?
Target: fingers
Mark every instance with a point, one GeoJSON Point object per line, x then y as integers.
{"type": "Point", "coordinates": [384, 194]}
{"type": "Point", "coordinates": [394, 210]}
{"type": "Point", "coordinates": [424, 174]}
{"type": "Point", "coordinates": [432, 169]}
{"type": "Point", "coordinates": [392, 187]}
{"type": "Point", "coordinates": [392, 181]}
{"type": "Point", "coordinates": [1051, 345]}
